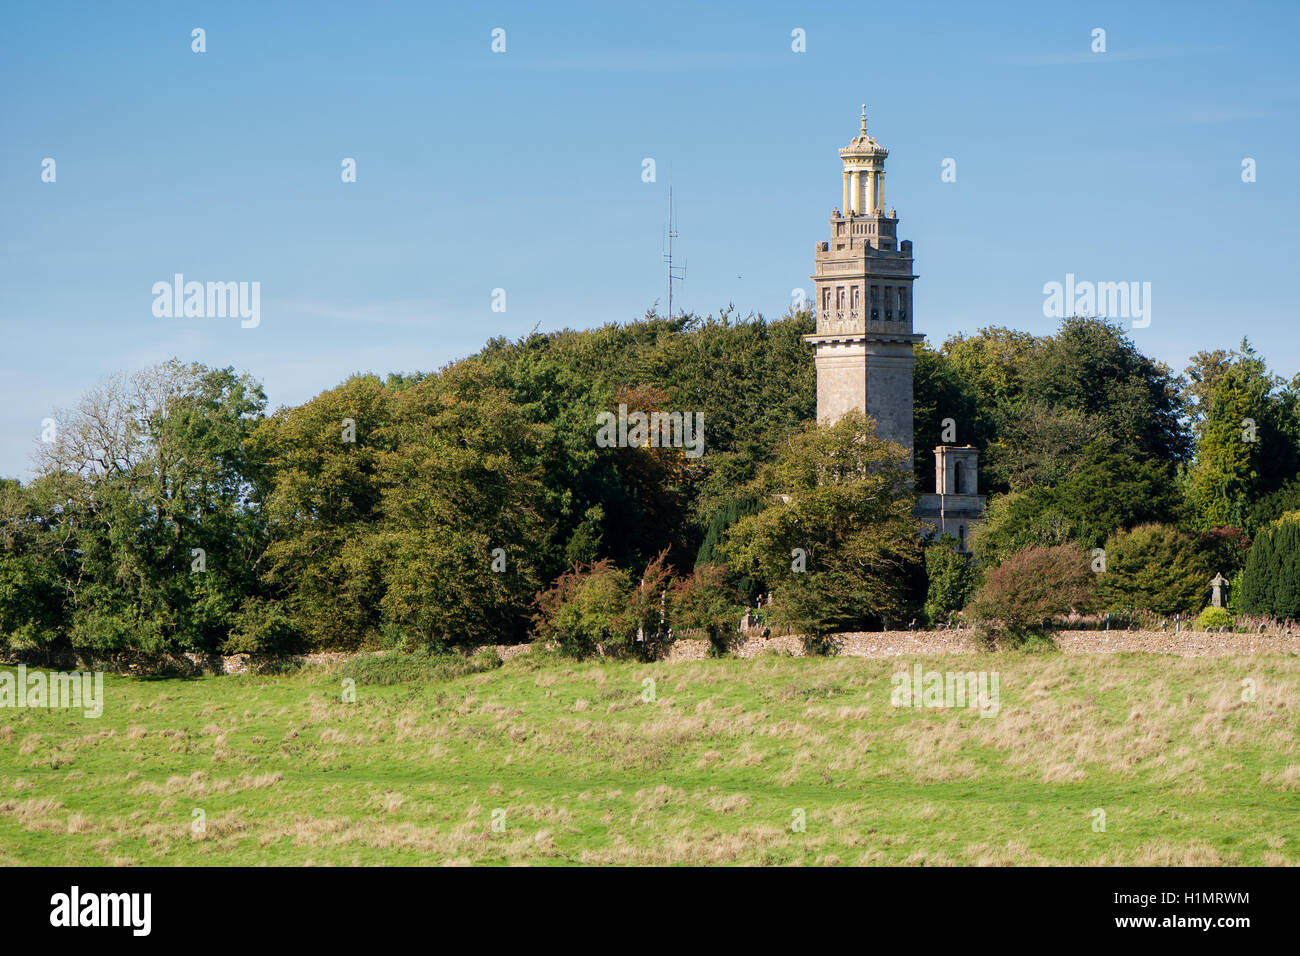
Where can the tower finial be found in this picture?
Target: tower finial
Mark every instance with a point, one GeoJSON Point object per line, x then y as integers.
{"type": "Point", "coordinates": [864, 119]}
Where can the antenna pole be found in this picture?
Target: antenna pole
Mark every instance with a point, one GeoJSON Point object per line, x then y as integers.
{"type": "Point", "coordinates": [668, 256]}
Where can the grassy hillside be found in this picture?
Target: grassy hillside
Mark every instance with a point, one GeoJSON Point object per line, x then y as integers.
{"type": "Point", "coordinates": [713, 771]}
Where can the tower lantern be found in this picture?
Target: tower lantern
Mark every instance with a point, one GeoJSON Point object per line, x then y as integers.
{"type": "Point", "coordinates": [864, 173]}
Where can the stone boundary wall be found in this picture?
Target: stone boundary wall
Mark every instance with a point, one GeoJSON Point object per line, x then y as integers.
{"type": "Point", "coordinates": [898, 644]}
{"type": "Point", "coordinates": [868, 644]}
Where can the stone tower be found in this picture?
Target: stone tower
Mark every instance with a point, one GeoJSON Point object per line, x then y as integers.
{"type": "Point", "coordinates": [863, 344]}
{"type": "Point", "coordinates": [956, 506]}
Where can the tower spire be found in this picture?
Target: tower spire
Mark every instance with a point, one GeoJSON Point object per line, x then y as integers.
{"type": "Point", "coordinates": [864, 119]}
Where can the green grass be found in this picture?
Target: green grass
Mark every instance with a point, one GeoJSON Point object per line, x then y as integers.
{"type": "Point", "coordinates": [712, 771]}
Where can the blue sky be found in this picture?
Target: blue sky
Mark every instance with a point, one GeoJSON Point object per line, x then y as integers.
{"type": "Point", "coordinates": [522, 171]}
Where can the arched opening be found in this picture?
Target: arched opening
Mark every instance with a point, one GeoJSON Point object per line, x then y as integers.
{"type": "Point", "coordinates": [959, 478]}
{"type": "Point", "coordinates": [961, 537]}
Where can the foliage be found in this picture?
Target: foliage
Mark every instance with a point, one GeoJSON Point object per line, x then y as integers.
{"type": "Point", "coordinates": [837, 539]}
{"type": "Point", "coordinates": [711, 551]}
{"type": "Point", "coordinates": [1105, 491]}
{"type": "Point", "coordinates": [940, 391]}
{"type": "Point", "coordinates": [1153, 567]}
{"type": "Point", "coordinates": [1270, 583]}
{"type": "Point", "coordinates": [951, 578]}
{"type": "Point", "coordinates": [1247, 441]}
{"type": "Point", "coordinates": [585, 609]}
{"type": "Point", "coordinates": [264, 627]}
{"type": "Point", "coordinates": [1223, 550]}
{"type": "Point", "coordinates": [173, 514]}
{"type": "Point", "coordinates": [1213, 618]}
{"type": "Point", "coordinates": [704, 600]}
{"type": "Point", "coordinates": [1033, 587]}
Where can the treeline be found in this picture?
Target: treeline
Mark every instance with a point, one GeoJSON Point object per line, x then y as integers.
{"type": "Point", "coordinates": [173, 513]}
{"type": "Point", "coordinates": [1153, 481]}
{"type": "Point", "coordinates": [474, 505]}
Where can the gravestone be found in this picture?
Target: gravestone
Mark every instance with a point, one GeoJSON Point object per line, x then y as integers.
{"type": "Point", "coordinates": [1216, 586]}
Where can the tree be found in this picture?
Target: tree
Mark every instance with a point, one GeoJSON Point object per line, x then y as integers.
{"type": "Point", "coordinates": [1034, 586]}
{"type": "Point", "coordinates": [1092, 367]}
{"type": "Point", "coordinates": [940, 392]}
{"type": "Point", "coordinates": [703, 600]}
{"type": "Point", "coordinates": [1223, 550]}
{"type": "Point", "coordinates": [710, 552]}
{"type": "Point", "coordinates": [1041, 445]}
{"type": "Point", "coordinates": [1271, 581]}
{"type": "Point", "coordinates": [159, 499]}
{"type": "Point", "coordinates": [323, 509]}
{"type": "Point", "coordinates": [586, 608]}
{"type": "Point", "coordinates": [836, 540]}
{"type": "Point", "coordinates": [461, 514]}
{"type": "Point", "coordinates": [1106, 490]}
{"type": "Point", "coordinates": [1247, 446]}
{"type": "Point", "coordinates": [37, 563]}
{"type": "Point", "coordinates": [1153, 567]}
{"type": "Point", "coordinates": [951, 578]}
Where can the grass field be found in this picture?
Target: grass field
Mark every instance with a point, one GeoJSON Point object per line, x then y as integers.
{"type": "Point", "coordinates": [715, 770]}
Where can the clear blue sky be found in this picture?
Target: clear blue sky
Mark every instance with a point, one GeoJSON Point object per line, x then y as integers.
{"type": "Point", "coordinates": [522, 171]}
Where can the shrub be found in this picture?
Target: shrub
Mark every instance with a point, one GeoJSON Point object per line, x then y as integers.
{"type": "Point", "coordinates": [263, 627]}
{"type": "Point", "coordinates": [1025, 593]}
{"type": "Point", "coordinates": [1213, 618]}
{"type": "Point", "coordinates": [586, 607]}
{"type": "Point", "coordinates": [1153, 567]}
{"type": "Point", "coordinates": [950, 579]}
{"type": "Point", "coordinates": [706, 601]}
{"type": "Point", "coordinates": [1271, 581]}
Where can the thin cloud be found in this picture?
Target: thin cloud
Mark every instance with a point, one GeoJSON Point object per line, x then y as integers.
{"type": "Point", "coordinates": [1087, 56]}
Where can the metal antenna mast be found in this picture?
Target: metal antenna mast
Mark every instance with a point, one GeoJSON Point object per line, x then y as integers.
{"type": "Point", "coordinates": [668, 256]}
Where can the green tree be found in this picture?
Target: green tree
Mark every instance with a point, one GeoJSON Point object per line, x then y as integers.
{"type": "Point", "coordinates": [710, 553]}
{"type": "Point", "coordinates": [1092, 367]}
{"type": "Point", "coordinates": [704, 600]}
{"type": "Point", "coordinates": [1271, 580]}
{"type": "Point", "coordinates": [461, 511]}
{"type": "Point", "coordinates": [951, 578]}
{"type": "Point", "coordinates": [837, 540]}
{"type": "Point", "coordinates": [160, 502]}
{"type": "Point", "coordinates": [1154, 567]}
{"type": "Point", "coordinates": [323, 509]}
{"type": "Point", "coordinates": [38, 567]}
{"type": "Point", "coordinates": [584, 608]}
{"type": "Point", "coordinates": [1105, 491]}
{"type": "Point", "coordinates": [940, 392]}
{"type": "Point", "coordinates": [1247, 445]}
